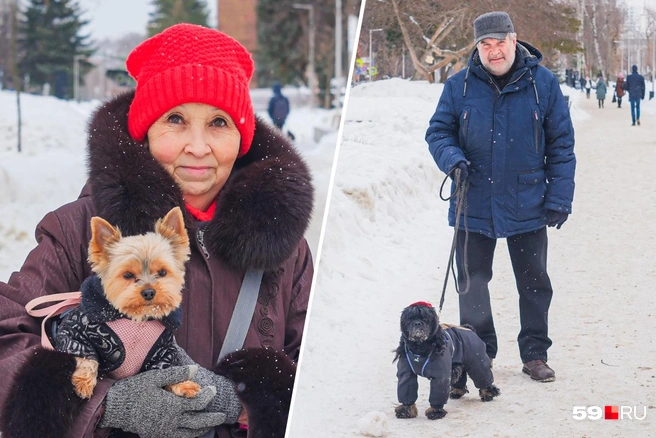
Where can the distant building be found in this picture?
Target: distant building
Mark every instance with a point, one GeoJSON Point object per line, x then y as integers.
{"type": "Point", "coordinates": [238, 18]}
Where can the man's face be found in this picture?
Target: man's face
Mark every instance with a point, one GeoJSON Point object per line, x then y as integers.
{"type": "Point", "coordinates": [498, 56]}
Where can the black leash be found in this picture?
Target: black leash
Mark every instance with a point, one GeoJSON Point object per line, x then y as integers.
{"type": "Point", "coordinates": [460, 194]}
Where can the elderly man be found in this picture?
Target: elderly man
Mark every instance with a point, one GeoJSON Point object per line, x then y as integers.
{"type": "Point", "coordinates": [504, 125]}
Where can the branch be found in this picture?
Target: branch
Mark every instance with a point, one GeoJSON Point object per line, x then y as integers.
{"type": "Point", "coordinates": [408, 43]}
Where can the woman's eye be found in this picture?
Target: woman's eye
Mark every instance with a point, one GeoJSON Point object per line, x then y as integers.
{"type": "Point", "coordinates": [128, 275]}
{"type": "Point", "coordinates": [162, 272]}
{"type": "Point", "coordinates": [219, 121]}
{"type": "Point", "coordinates": [174, 118]}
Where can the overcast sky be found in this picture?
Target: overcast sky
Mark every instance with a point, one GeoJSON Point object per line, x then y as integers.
{"type": "Point", "coordinates": [115, 18]}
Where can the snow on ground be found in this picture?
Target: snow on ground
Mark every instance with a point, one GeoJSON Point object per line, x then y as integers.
{"type": "Point", "coordinates": [51, 169]}
{"type": "Point", "coordinates": [386, 244]}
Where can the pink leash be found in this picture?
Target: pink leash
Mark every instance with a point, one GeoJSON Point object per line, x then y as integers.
{"type": "Point", "coordinates": [65, 301]}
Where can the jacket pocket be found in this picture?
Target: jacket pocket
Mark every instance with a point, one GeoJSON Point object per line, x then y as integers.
{"type": "Point", "coordinates": [531, 190]}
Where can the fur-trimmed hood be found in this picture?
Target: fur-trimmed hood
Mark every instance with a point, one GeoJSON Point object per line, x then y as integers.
{"type": "Point", "coordinates": [262, 211]}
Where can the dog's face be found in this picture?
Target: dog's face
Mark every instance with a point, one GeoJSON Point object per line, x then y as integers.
{"type": "Point", "coordinates": [419, 323]}
{"type": "Point", "coordinates": [142, 276]}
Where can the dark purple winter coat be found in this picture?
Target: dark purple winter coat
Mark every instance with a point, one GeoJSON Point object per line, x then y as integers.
{"type": "Point", "coordinates": [262, 214]}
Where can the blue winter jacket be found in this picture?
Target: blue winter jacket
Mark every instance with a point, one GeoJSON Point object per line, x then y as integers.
{"type": "Point", "coordinates": [635, 85]}
{"type": "Point", "coordinates": [519, 142]}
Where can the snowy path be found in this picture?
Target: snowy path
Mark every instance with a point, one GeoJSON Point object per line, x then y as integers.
{"type": "Point", "coordinates": [386, 245]}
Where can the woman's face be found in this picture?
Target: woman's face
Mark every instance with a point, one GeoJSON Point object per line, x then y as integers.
{"type": "Point", "coordinates": [198, 145]}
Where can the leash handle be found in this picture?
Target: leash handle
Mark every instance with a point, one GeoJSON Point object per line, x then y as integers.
{"type": "Point", "coordinates": [65, 301]}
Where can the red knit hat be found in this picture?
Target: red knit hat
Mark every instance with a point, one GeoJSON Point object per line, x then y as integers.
{"type": "Point", "coordinates": [421, 303]}
{"type": "Point", "coordinates": [188, 63]}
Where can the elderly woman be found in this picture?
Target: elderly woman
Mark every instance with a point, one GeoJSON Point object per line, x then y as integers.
{"type": "Point", "coordinates": [187, 136]}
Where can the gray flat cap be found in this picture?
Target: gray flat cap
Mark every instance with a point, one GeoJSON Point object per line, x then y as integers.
{"type": "Point", "coordinates": [492, 25]}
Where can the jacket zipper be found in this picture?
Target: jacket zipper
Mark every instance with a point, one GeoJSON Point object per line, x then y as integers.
{"type": "Point", "coordinates": [200, 239]}
{"type": "Point", "coordinates": [465, 125]}
{"type": "Point", "coordinates": [536, 131]}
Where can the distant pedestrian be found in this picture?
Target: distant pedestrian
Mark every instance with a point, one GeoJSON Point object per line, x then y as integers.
{"type": "Point", "coordinates": [588, 86]}
{"type": "Point", "coordinates": [582, 83]}
{"type": "Point", "coordinates": [635, 85]}
{"type": "Point", "coordinates": [619, 89]}
{"type": "Point", "coordinates": [602, 89]}
{"type": "Point", "coordinates": [278, 106]}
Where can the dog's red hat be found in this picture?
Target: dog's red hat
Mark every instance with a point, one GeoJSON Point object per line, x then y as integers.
{"type": "Point", "coordinates": [421, 303]}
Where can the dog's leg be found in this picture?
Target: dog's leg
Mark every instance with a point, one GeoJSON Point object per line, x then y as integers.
{"type": "Point", "coordinates": [406, 411]}
{"type": "Point", "coordinates": [435, 413]}
{"type": "Point", "coordinates": [85, 377]}
{"type": "Point", "coordinates": [187, 389]}
{"type": "Point", "coordinates": [458, 382]}
{"type": "Point", "coordinates": [487, 394]}
{"type": "Point", "coordinates": [457, 393]}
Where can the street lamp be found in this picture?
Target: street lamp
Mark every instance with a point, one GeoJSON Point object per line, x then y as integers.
{"type": "Point", "coordinates": [76, 77]}
{"type": "Point", "coordinates": [311, 75]}
{"type": "Point", "coordinates": [371, 59]}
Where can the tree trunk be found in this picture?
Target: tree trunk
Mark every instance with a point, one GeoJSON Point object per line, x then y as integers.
{"type": "Point", "coordinates": [419, 67]}
{"type": "Point", "coordinates": [15, 76]}
{"type": "Point", "coordinates": [595, 37]}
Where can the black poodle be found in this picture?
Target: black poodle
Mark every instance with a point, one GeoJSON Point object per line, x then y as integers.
{"type": "Point", "coordinates": [441, 353]}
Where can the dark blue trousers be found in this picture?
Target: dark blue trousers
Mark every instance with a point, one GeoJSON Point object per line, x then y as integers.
{"type": "Point", "coordinates": [528, 255]}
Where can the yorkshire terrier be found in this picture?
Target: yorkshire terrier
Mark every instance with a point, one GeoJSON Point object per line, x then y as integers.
{"type": "Point", "coordinates": [130, 308]}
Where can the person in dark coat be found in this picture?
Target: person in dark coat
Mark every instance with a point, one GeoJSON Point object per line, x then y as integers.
{"type": "Point", "coordinates": [619, 89]}
{"type": "Point", "coordinates": [601, 90]}
{"type": "Point", "coordinates": [635, 86]}
{"type": "Point", "coordinates": [504, 124]}
{"type": "Point", "coordinates": [278, 106]}
{"type": "Point", "coordinates": [188, 137]}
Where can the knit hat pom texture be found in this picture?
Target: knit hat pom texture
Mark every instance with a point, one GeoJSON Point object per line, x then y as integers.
{"type": "Point", "coordinates": [187, 63]}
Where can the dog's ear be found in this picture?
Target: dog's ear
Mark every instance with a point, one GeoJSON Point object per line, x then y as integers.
{"type": "Point", "coordinates": [172, 227]}
{"type": "Point", "coordinates": [436, 329]}
{"type": "Point", "coordinates": [102, 235]}
{"type": "Point", "coordinates": [404, 321]}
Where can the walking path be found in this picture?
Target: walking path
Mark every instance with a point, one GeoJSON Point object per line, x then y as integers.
{"type": "Point", "coordinates": [386, 245]}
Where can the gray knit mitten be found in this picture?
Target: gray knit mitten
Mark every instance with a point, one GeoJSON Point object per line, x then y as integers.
{"type": "Point", "coordinates": [141, 405]}
{"type": "Point", "coordinates": [226, 400]}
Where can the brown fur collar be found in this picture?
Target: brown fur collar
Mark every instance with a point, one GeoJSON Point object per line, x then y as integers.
{"type": "Point", "coordinates": [262, 211]}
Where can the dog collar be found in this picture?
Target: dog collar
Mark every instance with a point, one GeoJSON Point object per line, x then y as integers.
{"type": "Point", "coordinates": [417, 358]}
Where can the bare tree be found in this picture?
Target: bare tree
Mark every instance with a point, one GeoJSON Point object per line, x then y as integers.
{"type": "Point", "coordinates": [13, 61]}
{"type": "Point", "coordinates": [602, 26]}
{"type": "Point", "coordinates": [438, 35]}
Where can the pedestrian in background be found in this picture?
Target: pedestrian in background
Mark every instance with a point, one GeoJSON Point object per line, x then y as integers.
{"type": "Point", "coordinates": [602, 89]}
{"type": "Point", "coordinates": [588, 86]}
{"type": "Point", "coordinates": [635, 85]}
{"type": "Point", "coordinates": [619, 89]}
{"type": "Point", "coordinates": [278, 106]}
